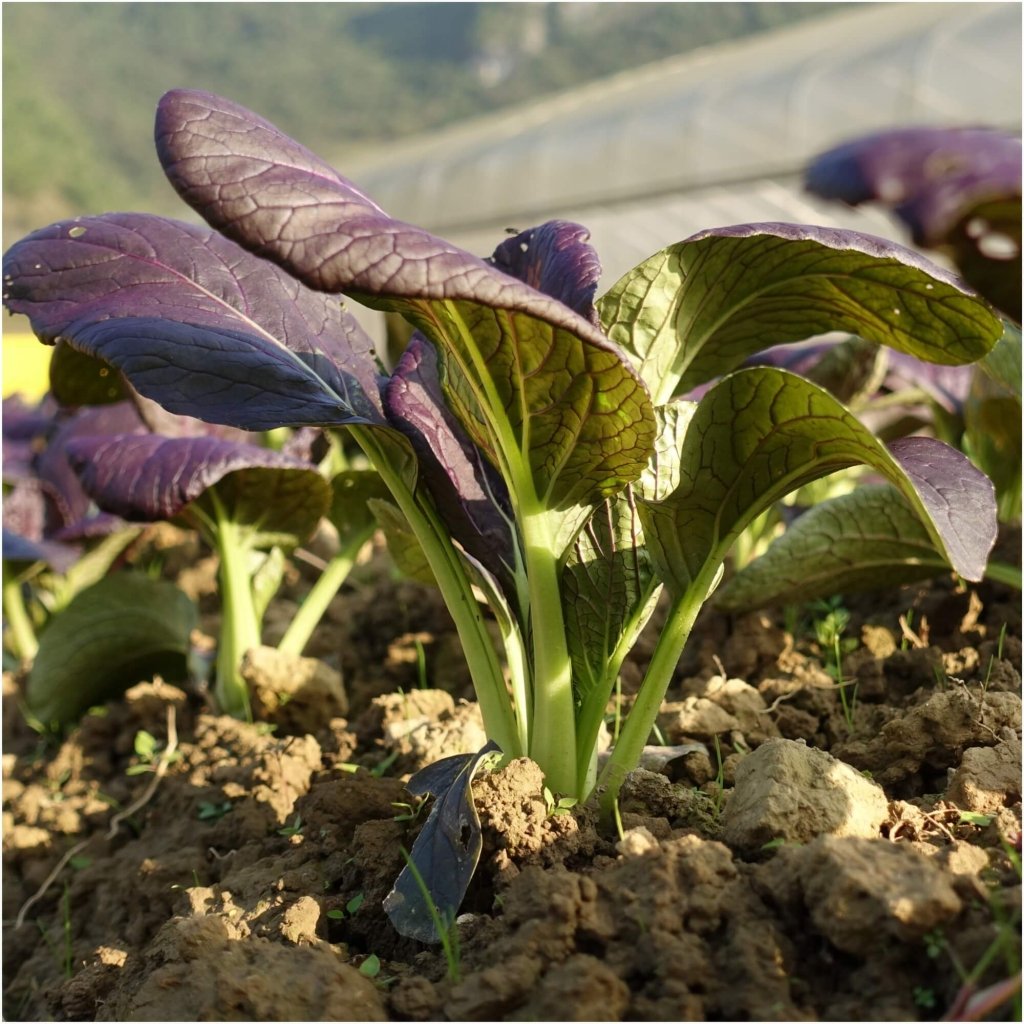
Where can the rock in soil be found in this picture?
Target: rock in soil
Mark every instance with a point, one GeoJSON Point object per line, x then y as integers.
{"type": "Point", "coordinates": [789, 792]}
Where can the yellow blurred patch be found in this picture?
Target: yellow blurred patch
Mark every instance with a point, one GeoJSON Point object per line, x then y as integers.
{"type": "Point", "coordinates": [26, 365]}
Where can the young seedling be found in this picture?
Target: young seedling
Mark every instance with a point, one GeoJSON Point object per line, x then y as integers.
{"type": "Point", "coordinates": [148, 750]}
{"type": "Point", "coordinates": [209, 811]}
{"type": "Point", "coordinates": [829, 630]}
{"type": "Point", "coordinates": [536, 441]}
{"type": "Point", "coordinates": [294, 829]}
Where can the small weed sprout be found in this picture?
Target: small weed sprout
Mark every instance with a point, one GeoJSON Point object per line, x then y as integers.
{"type": "Point", "coordinates": [829, 631]}
{"type": "Point", "coordinates": [294, 829]}
{"type": "Point", "coordinates": [370, 967]}
{"type": "Point", "coordinates": [209, 811]}
{"type": "Point", "coordinates": [924, 997]}
{"type": "Point", "coordinates": [147, 750]}
{"type": "Point", "coordinates": [719, 779]}
{"type": "Point", "coordinates": [562, 805]}
{"type": "Point", "coordinates": [993, 658]}
{"type": "Point", "coordinates": [406, 811]}
{"type": "Point", "coordinates": [337, 914]}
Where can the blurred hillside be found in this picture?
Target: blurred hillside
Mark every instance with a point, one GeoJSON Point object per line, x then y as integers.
{"type": "Point", "coordinates": [81, 80]}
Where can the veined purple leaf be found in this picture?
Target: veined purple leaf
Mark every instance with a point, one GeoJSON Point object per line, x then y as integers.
{"type": "Point", "coordinates": [869, 539]}
{"type": "Point", "coordinates": [538, 386]}
{"type": "Point", "coordinates": [699, 308]}
{"type": "Point", "coordinates": [194, 322]}
{"type": "Point", "coordinates": [469, 494]}
{"type": "Point", "coordinates": [760, 434]}
{"type": "Point", "coordinates": [151, 478]}
{"type": "Point", "coordinates": [556, 259]}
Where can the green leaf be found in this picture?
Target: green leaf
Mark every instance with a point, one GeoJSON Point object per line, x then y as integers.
{"type": "Point", "coordinates": [697, 309]}
{"type": "Point", "coordinates": [122, 630]}
{"type": "Point", "coordinates": [608, 579]}
{"type": "Point", "coordinates": [283, 506]}
{"type": "Point", "coordinates": [404, 548]}
{"type": "Point", "coordinates": [77, 378]}
{"type": "Point", "coordinates": [351, 492]}
{"type": "Point", "coordinates": [562, 416]}
{"type": "Point", "coordinates": [609, 589]}
{"type": "Point", "coordinates": [761, 433]}
{"type": "Point", "coordinates": [145, 745]}
{"type": "Point", "coordinates": [1003, 363]}
{"type": "Point", "coordinates": [868, 539]}
{"type": "Point", "coordinates": [370, 967]}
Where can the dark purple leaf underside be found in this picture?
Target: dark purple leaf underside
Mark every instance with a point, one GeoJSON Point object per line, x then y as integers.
{"type": "Point", "coordinates": [446, 851]}
{"type": "Point", "coordinates": [194, 322]}
{"type": "Point", "coordinates": [469, 494]}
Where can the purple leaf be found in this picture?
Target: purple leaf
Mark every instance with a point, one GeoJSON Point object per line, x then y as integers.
{"type": "Point", "coordinates": [956, 189]}
{"type": "Point", "coordinates": [194, 322]}
{"type": "Point", "coordinates": [556, 260]}
{"type": "Point", "coordinates": [18, 548]}
{"type": "Point", "coordinates": [149, 478]}
{"type": "Point", "coordinates": [929, 176]}
{"type": "Point", "coordinates": [273, 196]}
{"type": "Point", "coordinates": [71, 505]}
{"type": "Point", "coordinates": [947, 386]}
{"type": "Point", "coordinates": [24, 433]}
{"type": "Point", "coordinates": [959, 498]}
{"type": "Point", "coordinates": [575, 419]}
{"type": "Point", "coordinates": [469, 494]}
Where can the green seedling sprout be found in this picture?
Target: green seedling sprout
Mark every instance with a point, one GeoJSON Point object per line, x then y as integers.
{"type": "Point", "coordinates": [829, 630]}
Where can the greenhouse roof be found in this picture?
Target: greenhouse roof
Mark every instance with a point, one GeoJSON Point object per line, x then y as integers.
{"type": "Point", "coordinates": [717, 136]}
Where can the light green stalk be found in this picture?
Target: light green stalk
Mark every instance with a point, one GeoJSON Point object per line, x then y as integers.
{"type": "Point", "coordinates": [313, 607]}
{"type": "Point", "coordinates": [240, 625]}
{"type": "Point", "coordinates": [456, 589]}
{"type": "Point", "coordinates": [553, 726]}
{"type": "Point", "coordinates": [644, 713]}
{"type": "Point", "coordinates": [23, 636]}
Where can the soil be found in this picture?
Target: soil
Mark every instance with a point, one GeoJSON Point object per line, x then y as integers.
{"type": "Point", "coordinates": [787, 860]}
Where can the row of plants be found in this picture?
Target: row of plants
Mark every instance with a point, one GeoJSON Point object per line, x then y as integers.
{"type": "Point", "coordinates": [557, 461]}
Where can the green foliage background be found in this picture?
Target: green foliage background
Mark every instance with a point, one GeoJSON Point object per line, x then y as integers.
{"type": "Point", "coordinates": [81, 80]}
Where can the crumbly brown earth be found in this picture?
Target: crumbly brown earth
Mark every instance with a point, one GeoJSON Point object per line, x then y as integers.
{"type": "Point", "coordinates": [791, 862]}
